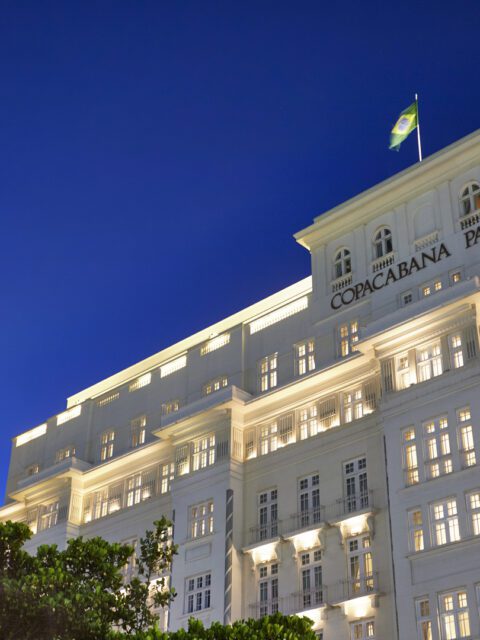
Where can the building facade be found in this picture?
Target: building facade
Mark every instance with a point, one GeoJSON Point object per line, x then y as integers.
{"type": "Point", "coordinates": [318, 452]}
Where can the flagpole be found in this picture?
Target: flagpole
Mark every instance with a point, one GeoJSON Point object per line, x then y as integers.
{"type": "Point", "coordinates": [418, 132]}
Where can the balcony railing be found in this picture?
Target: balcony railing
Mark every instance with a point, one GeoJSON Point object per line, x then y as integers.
{"type": "Point", "coordinates": [470, 220]}
{"type": "Point", "coordinates": [266, 608]}
{"type": "Point", "coordinates": [312, 518]}
{"type": "Point", "coordinates": [264, 532]}
{"type": "Point", "coordinates": [309, 599]}
{"type": "Point", "coordinates": [353, 588]}
{"type": "Point", "coordinates": [349, 506]}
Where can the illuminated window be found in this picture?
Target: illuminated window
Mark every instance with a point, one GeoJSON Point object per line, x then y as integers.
{"type": "Point", "coordinates": [141, 486]}
{"type": "Point", "coordinates": [415, 526]}
{"type": "Point", "coordinates": [267, 514]}
{"type": "Point", "coordinates": [429, 362]}
{"type": "Point", "coordinates": [63, 454]}
{"type": "Point", "coordinates": [342, 263]}
{"type": "Point", "coordinates": [267, 370]}
{"type": "Point", "coordinates": [33, 469]}
{"type": "Point", "coordinates": [309, 500]}
{"type": "Point", "coordinates": [201, 519]}
{"type": "Point", "coordinates": [455, 276]}
{"type": "Point", "coordinates": [353, 405]}
{"type": "Point", "coordinates": [348, 335]}
{"type": "Point", "coordinates": [70, 414]}
{"type": "Point", "coordinates": [470, 199]}
{"type": "Point", "coordinates": [138, 426]}
{"type": "Point", "coordinates": [279, 314]}
{"type": "Point", "coordinates": [31, 435]}
{"type": "Point", "coordinates": [473, 509]}
{"type": "Point", "coordinates": [305, 357]}
{"type": "Point", "coordinates": [140, 382]}
{"type": "Point", "coordinates": [444, 517]}
{"type": "Point", "coordinates": [215, 385]}
{"type": "Point", "coordinates": [308, 422]}
{"type": "Point", "coordinates": [465, 437]}
{"type": "Point", "coordinates": [173, 366]}
{"type": "Point", "coordinates": [360, 564]}
{"type": "Point", "coordinates": [48, 516]}
{"type": "Point", "coordinates": [424, 620]}
{"type": "Point", "coordinates": [182, 460]}
{"type": "Point", "coordinates": [355, 484]}
{"type": "Point", "coordinates": [363, 630]}
{"type": "Point", "coordinates": [106, 449]}
{"type": "Point", "coordinates": [167, 475]}
{"type": "Point", "coordinates": [437, 449]}
{"type": "Point", "coordinates": [198, 593]}
{"type": "Point", "coordinates": [102, 402]}
{"type": "Point", "coordinates": [203, 452]}
{"type": "Point", "coordinates": [456, 350]}
{"type": "Point", "coordinates": [311, 579]}
{"type": "Point", "coordinates": [216, 342]}
{"type": "Point", "coordinates": [170, 407]}
{"type": "Point", "coordinates": [454, 615]}
{"type": "Point", "coordinates": [267, 576]}
{"type": "Point", "coordinates": [432, 287]}
{"type": "Point", "coordinates": [410, 460]}
{"type": "Point", "coordinates": [382, 243]}
{"type": "Point", "coordinates": [268, 438]}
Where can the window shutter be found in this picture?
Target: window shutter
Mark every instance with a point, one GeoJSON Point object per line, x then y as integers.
{"type": "Point", "coordinates": [181, 460]}
{"type": "Point", "coordinates": [470, 342]}
{"type": "Point", "coordinates": [327, 412]}
{"type": "Point", "coordinates": [285, 428]}
{"type": "Point", "coordinates": [371, 393]}
{"type": "Point", "coordinates": [387, 375]}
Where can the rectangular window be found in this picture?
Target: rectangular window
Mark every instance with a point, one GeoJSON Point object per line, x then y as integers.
{"type": "Point", "coordinates": [182, 460]}
{"type": "Point", "coordinates": [106, 449]}
{"type": "Point", "coordinates": [308, 422]}
{"type": "Point", "coordinates": [215, 385]}
{"type": "Point", "coordinates": [64, 454]}
{"type": "Point", "coordinates": [360, 565]}
{"type": "Point", "coordinates": [304, 357]}
{"type": "Point", "coordinates": [268, 438]}
{"type": "Point", "coordinates": [48, 516]}
{"type": "Point", "coordinates": [407, 298]}
{"type": "Point", "coordinates": [355, 484]}
{"type": "Point", "coordinates": [456, 350]}
{"type": "Point", "coordinates": [141, 487]}
{"type": "Point", "coordinates": [267, 369]}
{"type": "Point", "coordinates": [429, 362]}
{"type": "Point", "coordinates": [410, 461]}
{"type": "Point", "coordinates": [102, 402]}
{"type": "Point", "coordinates": [454, 615]}
{"type": "Point", "coordinates": [216, 342]}
{"type": "Point", "coordinates": [424, 620]}
{"type": "Point", "coordinates": [465, 437]}
{"type": "Point", "coordinates": [129, 568]}
{"type": "Point", "coordinates": [353, 405]}
{"type": "Point", "coordinates": [170, 407]}
{"type": "Point", "coordinates": [138, 427]}
{"type": "Point", "coordinates": [444, 518]}
{"type": "Point", "coordinates": [456, 276]}
{"type": "Point", "coordinates": [415, 527]}
{"type": "Point", "coordinates": [198, 593]}
{"type": "Point", "coordinates": [201, 519]}
{"type": "Point", "coordinates": [167, 475]}
{"type": "Point", "coordinates": [267, 589]}
{"type": "Point", "coordinates": [309, 500]}
{"type": "Point", "coordinates": [402, 365]}
{"type": "Point", "coordinates": [311, 579]}
{"type": "Point", "coordinates": [348, 334]}
{"type": "Point", "coordinates": [67, 415]}
{"type": "Point", "coordinates": [204, 452]}
{"type": "Point", "coordinates": [33, 469]}
{"type": "Point", "coordinates": [140, 382]}
{"type": "Point", "coordinates": [473, 509]}
{"type": "Point", "coordinates": [267, 504]}
{"type": "Point", "coordinates": [173, 366]}
{"type": "Point", "coordinates": [278, 315]}
{"type": "Point", "coordinates": [363, 630]}
{"type": "Point", "coordinates": [437, 447]}
{"type": "Point", "coordinates": [432, 287]}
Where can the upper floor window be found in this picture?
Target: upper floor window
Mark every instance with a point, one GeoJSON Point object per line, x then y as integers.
{"type": "Point", "coordinates": [445, 526]}
{"type": "Point", "coordinates": [33, 469]}
{"type": "Point", "coordinates": [267, 369]}
{"type": "Point", "coordinates": [63, 454]}
{"type": "Point", "coordinates": [268, 589]}
{"type": "Point", "coordinates": [382, 243]}
{"type": "Point", "coordinates": [470, 199]}
{"type": "Point", "coordinates": [363, 630]}
{"type": "Point", "coordinates": [304, 357]}
{"type": "Point", "coordinates": [454, 615]}
{"type": "Point", "coordinates": [106, 449]}
{"type": "Point", "coordinates": [360, 564]}
{"type": "Point", "coordinates": [311, 579]}
{"type": "Point", "coordinates": [424, 620]}
{"type": "Point", "coordinates": [267, 503]}
{"type": "Point", "coordinates": [197, 593]}
{"type": "Point", "coordinates": [170, 407]}
{"type": "Point", "coordinates": [203, 452]}
{"type": "Point", "coordinates": [342, 263]}
{"type": "Point", "coordinates": [138, 431]}
{"type": "Point", "coordinates": [215, 385]}
{"type": "Point", "coordinates": [201, 519]}
{"type": "Point", "coordinates": [348, 335]}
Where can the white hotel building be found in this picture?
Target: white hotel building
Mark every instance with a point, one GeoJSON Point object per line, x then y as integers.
{"type": "Point", "coordinates": [318, 451]}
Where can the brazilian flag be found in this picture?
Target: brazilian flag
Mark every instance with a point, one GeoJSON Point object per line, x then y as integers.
{"type": "Point", "coordinates": [406, 123]}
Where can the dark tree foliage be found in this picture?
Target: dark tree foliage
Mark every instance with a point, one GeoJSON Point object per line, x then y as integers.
{"type": "Point", "coordinates": [79, 593]}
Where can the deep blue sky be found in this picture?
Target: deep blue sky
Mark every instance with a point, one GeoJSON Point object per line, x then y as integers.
{"type": "Point", "coordinates": [156, 158]}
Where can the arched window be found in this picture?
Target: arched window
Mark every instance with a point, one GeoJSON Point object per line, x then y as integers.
{"type": "Point", "coordinates": [470, 199]}
{"type": "Point", "coordinates": [342, 263]}
{"type": "Point", "coordinates": [382, 243]}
